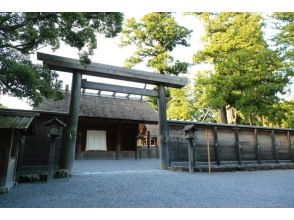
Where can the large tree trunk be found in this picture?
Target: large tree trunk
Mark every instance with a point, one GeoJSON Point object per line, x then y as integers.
{"type": "Point", "coordinates": [223, 115]}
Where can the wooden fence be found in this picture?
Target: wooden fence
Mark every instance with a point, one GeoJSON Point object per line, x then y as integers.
{"type": "Point", "coordinates": [237, 144]}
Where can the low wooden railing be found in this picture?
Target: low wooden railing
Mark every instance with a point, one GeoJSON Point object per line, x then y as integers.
{"type": "Point", "coordinates": [145, 152]}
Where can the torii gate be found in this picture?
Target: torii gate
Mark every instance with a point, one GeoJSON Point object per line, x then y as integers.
{"type": "Point", "coordinates": [113, 72]}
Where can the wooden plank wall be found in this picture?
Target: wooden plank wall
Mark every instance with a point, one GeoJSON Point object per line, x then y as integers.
{"type": "Point", "coordinates": [36, 150]}
{"type": "Point", "coordinates": [230, 144]}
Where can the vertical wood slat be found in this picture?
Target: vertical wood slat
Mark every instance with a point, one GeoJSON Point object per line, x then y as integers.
{"type": "Point", "coordinates": [215, 146]}
{"type": "Point", "coordinates": [51, 159]}
{"type": "Point", "coordinates": [6, 159]}
{"type": "Point", "coordinates": [148, 143]}
{"type": "Point", "coordinates": [274, 146]}
{"type": "Point", "coordinates": [191, 155]}
{"type": "Point", "coordinates": [21, 151]}
{"type": "Point", "coordinates": [257, 147]}
{"type": "Point", "coordinates": [118, 143]}
{"type": "Point", "coordinates": [238, 146]}
{"type": "Point", "coordinates": [290, 146]}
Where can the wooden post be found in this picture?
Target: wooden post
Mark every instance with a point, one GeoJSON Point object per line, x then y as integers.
{"type": "Point", "coordinates": [274, 146]}
{"type": "Point", "coordinates": [191, 155]}
{"type": "Point", "coordinates": [118, 144]}
{"type": "Point", "coordinates": [215, 140]}
{"type": "Point", "coordinates": [238, 146]}
{"type": "Point", "coordinates": [6, 160]}
{"type": "Point", "coordinates": [51, 158]}
{"type": "Point", "coordinates": [21, 151]}
{"type": "Point", "coordinates": [162, 129]}
{"type": "Point", "coordinates": [70, 133]}
{"type": "Point", "coordinates": [290, 146]}
{"type": "Point", "coordinates": [148, 143]}
{"type": "Point", "coordinates": [208, 152]}
{"type": "Point", "coordinates": [257, 148]}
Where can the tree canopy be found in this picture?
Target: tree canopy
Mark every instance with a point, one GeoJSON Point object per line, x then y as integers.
{"type": "Point", "coordinates": [155, 36]}
{"type": "Point", "coordinates": [246, 77]}
{"type": "Point", "coordinates": [21, 34]}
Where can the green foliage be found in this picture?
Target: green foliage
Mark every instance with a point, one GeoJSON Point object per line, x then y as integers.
{"type": "Point", "coordinates": [155, 36]}
{"type": "Point", "coordinates": [246, 74]}
{"type": "Point", "coordinates": [19, 77]}
{"type": "Point", "coordinates": [23, 33]}
{"type": "Point", "coordinates": [285, 40]}
{"type": "Point", "coordinates": [179, 107]}
{"type": "Point", "coordinates": [2, 106]}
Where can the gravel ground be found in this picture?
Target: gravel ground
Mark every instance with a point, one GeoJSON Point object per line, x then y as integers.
{"type": "Point", "coordinates": [139, 183]}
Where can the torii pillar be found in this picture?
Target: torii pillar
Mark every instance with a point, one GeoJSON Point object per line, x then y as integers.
{"type": "Point", "coordinates": [162, 128]}
{"type": "Point", "coordinates": [70, 132]}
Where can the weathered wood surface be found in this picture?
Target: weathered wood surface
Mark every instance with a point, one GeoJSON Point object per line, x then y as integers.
{"type": "Point", "coordinates": [162, 129]}
{"type": "Point", "coordinates": [107, 71]}
{"type": "Point", "coordinates": [70, 134]}
{"type": "Point", "coordinates": [51, 159]}
{"type": "Point", "coordinates": [232, 144]}
{"type": "Point", "coordinates": [215, 145]}
{"type": "Point", "coordinates": [191, 155]}
{"type": "Point", "coordinates": [114, 88]}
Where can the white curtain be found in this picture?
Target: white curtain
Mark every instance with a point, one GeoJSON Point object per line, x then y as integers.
{"type": "Point", "coordinates": [96, 140]}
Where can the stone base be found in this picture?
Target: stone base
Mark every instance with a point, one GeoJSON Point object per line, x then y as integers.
{"type": "Point", "coordinates": [183, 166]}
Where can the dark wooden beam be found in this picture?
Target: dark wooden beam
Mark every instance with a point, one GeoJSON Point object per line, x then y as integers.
{"type": "Point", "coordinates": [5, 163]}
{"type": "Point", "coordinates": [257, 147]}
{"type": "Point", "coordinates": [238, 146]}
{"type": "Point", "coordinates": [162, 129]}
{"type": "Point", "coordinates": [118, 143]}
{"type": "Point", "coordinates": [215, 146]}
{"type": "Point", "coordinates": [290, 146]}
{"type": "Point", "coordinates": [274, 146]}
{"type": "Point", "coordinates": [21, 151]}
{"type": "Point", "coordinates": [51, 159]}
{"type": "Point", "coordinates": [148, 143]}
{"type": "Point", "coordinates": [70, 131]}
{"type": "Point", "coordinates": [191, 155]}
{"type": "Point", "coordinates": [107, 71]}
{"type": "Point", "coordinates": [120, 89]}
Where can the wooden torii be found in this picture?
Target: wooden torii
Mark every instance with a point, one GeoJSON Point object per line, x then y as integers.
{"type": "Point", "coordinates": [113, 72]}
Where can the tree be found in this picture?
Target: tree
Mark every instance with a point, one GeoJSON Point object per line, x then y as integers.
{"type": "Point", "coordinates": [285, 39]}
{"type": "Point", "coordinates": [155, 36]}
{"type": "Point", "coordinates": [179, 107]}
{"type": "Point", "coordinates": [246, 77]}
{"type": "Point", "coordinates": [284, 23]}
{"type": "Point", "coordinates": [21, 34]}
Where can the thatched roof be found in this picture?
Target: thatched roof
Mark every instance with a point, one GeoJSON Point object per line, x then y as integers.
{"type": "Point", "coordinates": [105, 107]}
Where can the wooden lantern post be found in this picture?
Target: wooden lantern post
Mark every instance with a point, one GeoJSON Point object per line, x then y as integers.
{"type": "Point", "coordinates": [189, 134]}
{"type": "Point", "coordinates": [54, 126]}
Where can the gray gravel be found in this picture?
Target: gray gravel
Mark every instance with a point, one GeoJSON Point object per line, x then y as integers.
{"type": "Point", "coordinates": [139, 183]}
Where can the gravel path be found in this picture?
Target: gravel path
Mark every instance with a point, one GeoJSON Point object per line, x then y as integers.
{"type": "Point", "coordinates": [139, 183]}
